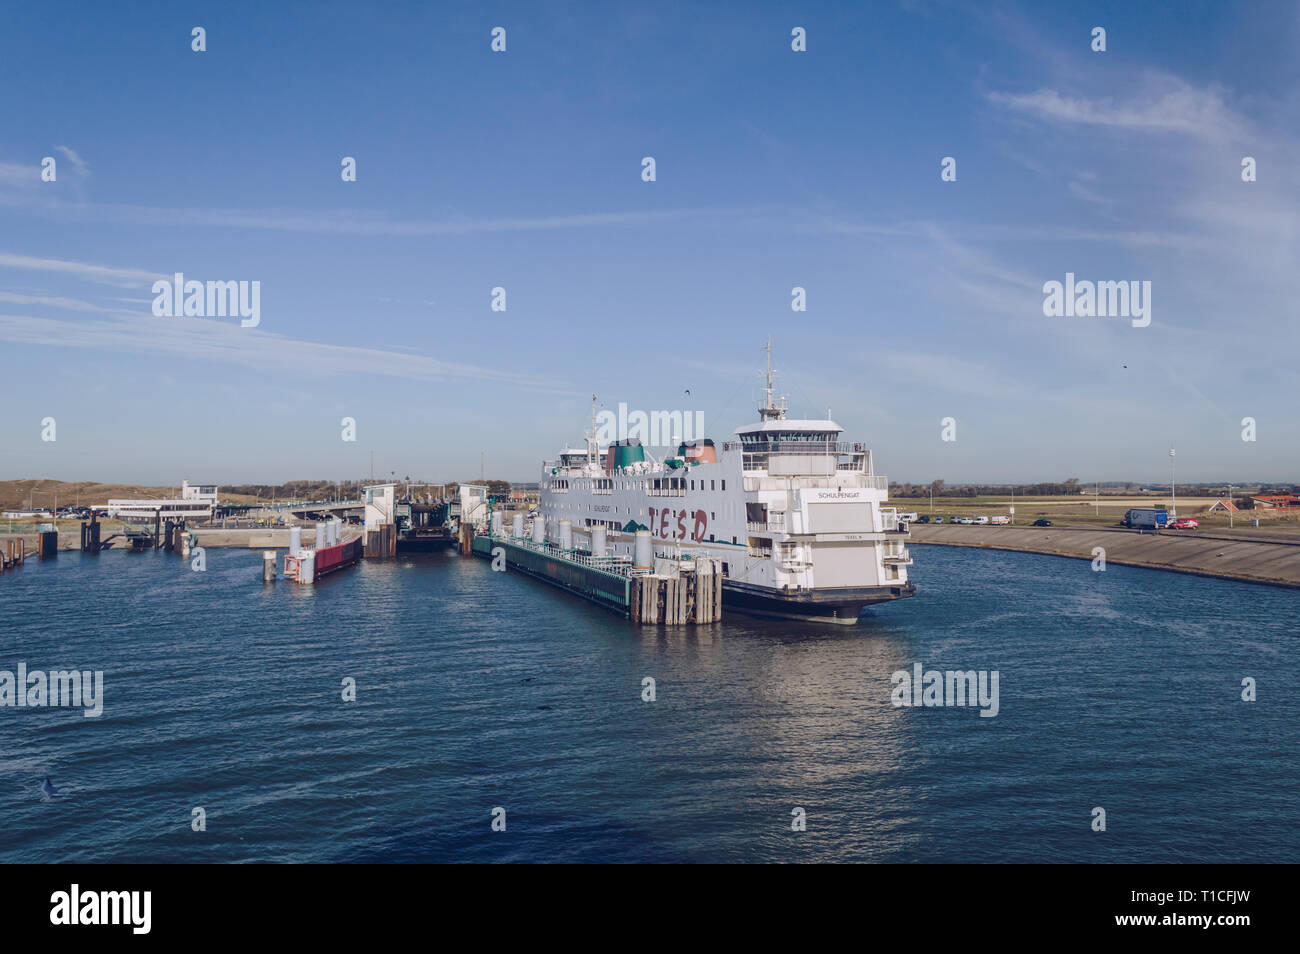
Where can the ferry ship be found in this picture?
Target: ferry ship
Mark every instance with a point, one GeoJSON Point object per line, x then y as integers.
{"type": "Point", "coordinates": [794, 514]}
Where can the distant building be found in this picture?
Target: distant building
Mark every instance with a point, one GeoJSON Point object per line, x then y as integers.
{"type": "Point", "coordinates": [1276, 501]}
{"type": "Point", "coordinates": [196, 502]}
{"type": "Point", "coordinates": [206, 492]}
{"type": "Point", "coordinates": [1224, 505]}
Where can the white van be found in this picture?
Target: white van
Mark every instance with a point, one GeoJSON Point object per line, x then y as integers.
{"type": "Point", "coordinates": [1001, 520]}
{"type": "Point", "coordinates": [980, 519]}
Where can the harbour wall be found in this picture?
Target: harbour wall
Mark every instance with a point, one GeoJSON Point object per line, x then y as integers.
{"type": "Point", "coordinates": [256, 538]}
{"type": "Point", "coordinates": [1275, 562]}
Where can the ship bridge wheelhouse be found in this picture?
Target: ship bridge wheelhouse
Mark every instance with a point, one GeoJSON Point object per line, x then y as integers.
{"type": "Point", "coordinates": [791, 447]}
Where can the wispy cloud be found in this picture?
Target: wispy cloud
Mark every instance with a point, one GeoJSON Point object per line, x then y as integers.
{"type": "Point", "coordinates": [1167, 104]}
{"type": "Point", "coordinates": [19, 175]}
{"type": "Point", "coordinates": [79, 165]}
{"type": "Point", "coordinates": [355, 222]}
{"type": "Point", "coordinates": [226, 342]}
{"type": "Point", "coordinates": [71, 304]}
{"type": "Point", "coordinates": [106, 274]}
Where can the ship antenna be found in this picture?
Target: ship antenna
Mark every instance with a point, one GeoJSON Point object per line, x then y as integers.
{"type": "Point", "coordinates": [769, 372]}
{"type": "Point", "coordinates": [593, 450]}
{"type": "Point", "coordinates": [770, 411]}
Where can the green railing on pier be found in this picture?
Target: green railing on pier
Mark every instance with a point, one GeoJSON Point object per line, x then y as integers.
{"type": "Point", "coordinates": [608, 585]}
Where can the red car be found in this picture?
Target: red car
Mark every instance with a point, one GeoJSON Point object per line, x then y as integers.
{"type": "Point", "coordinates": [1185, 523]}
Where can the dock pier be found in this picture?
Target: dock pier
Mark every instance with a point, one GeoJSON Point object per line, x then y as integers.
{"type": "Point", "coordinates": [334, 550]}
{"type": "Point", "coordinates": [672, 592]}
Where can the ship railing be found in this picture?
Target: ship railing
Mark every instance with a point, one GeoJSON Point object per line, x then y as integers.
{"type": "Point", "coordinates": [856, 482]}
{"type": "Point", "coordinates": [897, 553]}
{"type": "Point", "coordinates": [890, 523]}
{"type": "Point", "coordinates": [768, 526]}
{"type": "Point", "coordinates": [795, 447]}
{"type": "Point", "coordinates": [617, 565]}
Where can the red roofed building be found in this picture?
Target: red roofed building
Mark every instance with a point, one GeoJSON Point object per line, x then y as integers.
{"type": "Point", "coordinates": [1277, 501]}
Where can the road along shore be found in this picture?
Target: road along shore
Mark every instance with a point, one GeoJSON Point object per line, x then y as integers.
{"type": "Point", "coordinates": [1275, 562]}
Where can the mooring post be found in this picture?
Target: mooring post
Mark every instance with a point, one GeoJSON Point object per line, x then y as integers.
{"type": "Point", "coordinates": [47, 544]}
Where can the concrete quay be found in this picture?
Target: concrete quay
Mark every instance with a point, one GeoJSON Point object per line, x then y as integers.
{"type": "Point", "coordinates": [1220, 553]}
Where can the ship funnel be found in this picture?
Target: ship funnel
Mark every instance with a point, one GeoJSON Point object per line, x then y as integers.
{"type": "Point", "coordinates": [644, 558]}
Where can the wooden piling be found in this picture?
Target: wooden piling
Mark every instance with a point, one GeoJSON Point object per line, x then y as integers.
{"type": "Point", "coordinates": [678, 597]}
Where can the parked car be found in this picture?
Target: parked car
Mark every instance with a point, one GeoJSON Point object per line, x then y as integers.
{"type": "Point", "coordinates": [1042, 522]}
{"type": "Point", "coordinates": [980, 519]}
{"type": "Point", "coordinates": [1000, 520]}
{"type": "Point", "coordinates": [909, 517]}
{"type": "Point", "coordinates": [937, 520]}
{"type": "Point", "coordinates": [1184, 524]}
{"type": "Point", "coordinates": [962, 520]}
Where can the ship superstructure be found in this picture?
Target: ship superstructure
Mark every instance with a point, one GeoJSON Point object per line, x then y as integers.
{"type": "Point", "coordinates": [794, 513]}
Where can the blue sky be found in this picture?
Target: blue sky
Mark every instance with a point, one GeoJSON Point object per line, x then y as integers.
{"type": "Point", "coordinates": [522, 170]}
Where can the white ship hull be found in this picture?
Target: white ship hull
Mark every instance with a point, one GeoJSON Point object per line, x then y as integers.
{"type": "Point", "coordinates": [795, 515]}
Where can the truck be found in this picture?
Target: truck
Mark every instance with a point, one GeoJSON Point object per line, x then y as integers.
{"type": "Point", "coordinates": [1146, 518]}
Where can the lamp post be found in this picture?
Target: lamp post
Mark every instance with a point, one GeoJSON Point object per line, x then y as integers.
{"type": "Point", "coordinates": [1173, 487]}
{"type": "Point", "coordinates": [1229, 506]}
